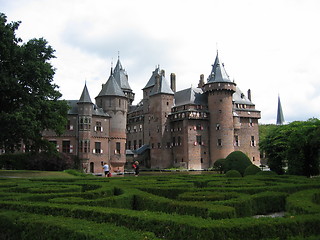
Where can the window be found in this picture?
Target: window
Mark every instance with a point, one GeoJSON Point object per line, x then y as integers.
{"type": "Point", "coordinates": [140, 143]}
{"type": "Point", "coordinates": [218, 126]}
{"type": "Point", "coordinates": [174, 141]}
{"type": "Point", "coordinates": [86, 147]}
{"type": "Point", "coordinates": [199, 139]}
{"type": "Point", "coordinates": [250, 122]}
{"type": "Point", "coordinates": [201, 160]}
{"type": "Point", "coordinates": [134, 144]}
{"type": "Point", "coordinates": [159, 145]}
{"type": "Point", "coordinates": [119, 102]}
{"type": "Point", "coordinates": [84, 123]}
{"type": "Point", "coordinates": [236, 141]}
{"type": "Point", "coordinates": [97, 148]}
{"type": "Point", "coordinates": [252, 142]}
{"type": "Point", "coordinates": [69, 126]}
{"type": "Point", "coordinates": [219, 142]}
{"type": "Point", "coordinates": [66, 147]}
{"type": "Point", "coordinates": [199, 127]}
{"type": "Point", "coordinates": [129, 144]}
{"type": "Point", "coordinates": [179, 141]}
{"type": "Point", "coordinates": [98, 127]}
{"type": "Point", "coordinates": [118, 149]}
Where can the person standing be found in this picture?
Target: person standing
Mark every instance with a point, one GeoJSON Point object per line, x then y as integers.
{"type": "Point", "coordinates": [106, 169]}
{"type": "Point", "coordinates": [136, 168]}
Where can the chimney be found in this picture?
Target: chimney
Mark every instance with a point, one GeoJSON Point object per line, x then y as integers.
{"type": "Point", "coordinates": [201, 81]}
{"type": "Point", "coordinates": [173, 82]}
{"type": "Point", "coordinates": [157, 83]}
{"type": "Point", "coordinates": [163, 73]}
{"type": "Point", "coordinates": [249, 94]}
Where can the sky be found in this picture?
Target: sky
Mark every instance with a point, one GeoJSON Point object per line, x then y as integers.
{"type": "Point", "coordinates": [269, 46]}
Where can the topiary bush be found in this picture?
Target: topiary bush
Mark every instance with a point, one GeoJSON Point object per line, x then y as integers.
{"type": "Point", "coordinates": [251, 170]}
{"type": "Point", "coordinates": [237, 160]}
{"type": "Point", "coordinates": [219, 165]}
{"type": "Point", "coordinates": [233, 173]}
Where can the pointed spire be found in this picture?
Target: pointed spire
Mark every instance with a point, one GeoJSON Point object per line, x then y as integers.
{"type": "Point", "coordinates": [218, 73]}
{"type": "Point", "coordinates": [280, 118]}
{"type": "Point", "coordinates": [85, 96]}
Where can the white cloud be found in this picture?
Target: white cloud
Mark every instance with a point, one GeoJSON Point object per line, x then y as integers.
{"type": "Point", "coordinates": [270, 47]}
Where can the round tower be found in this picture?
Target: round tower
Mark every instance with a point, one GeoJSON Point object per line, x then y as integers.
{"type": "Point", "coordinates": [219, 91]}
{"type": "Point", "coordinates": [114, 102]}
{"type": "Point", "coordinates": [85, 108]}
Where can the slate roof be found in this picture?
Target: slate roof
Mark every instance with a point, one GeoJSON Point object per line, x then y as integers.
{"type": "Point", "coordinates": [121, 76]}
{"type": "Point", "coordinates": [85, 96]}
{"type": "Point", "coordinates": [73, 104]}
{"type": "Point", "coordinates": [152, 80]}
{"type": "Point", "coordinates": [190, 96]}
{"type": "Point", "coordinates": [240, 97]}
{"type": "Point", "coordinates": [111, 88]}
{"type": "Point", "coordinates": [162, 88]}
{"type": "Point", "coordinates": [218, 73]}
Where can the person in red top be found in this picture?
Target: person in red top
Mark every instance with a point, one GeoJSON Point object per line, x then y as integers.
{"type": "Point", "coordinates": [136, 168]}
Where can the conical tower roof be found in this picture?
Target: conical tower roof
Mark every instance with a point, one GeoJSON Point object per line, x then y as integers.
{"type": "Point", "coordinates": [121, 76]}
{"type": "Point", "coordinates": [111, 88]}
{"type": "Point", "coordinates": [218, 73]}
{"type": "Point", "coordinates": [280, 118]}
{"type": "Point", "coordinates": [85, 96]}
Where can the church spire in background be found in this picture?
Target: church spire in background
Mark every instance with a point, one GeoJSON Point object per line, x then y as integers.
{"type": "Point", "coordinates": [280, 118]}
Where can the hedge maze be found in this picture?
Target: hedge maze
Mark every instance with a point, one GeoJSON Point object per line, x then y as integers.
{"type": "Point", "coordinates": [175, 207]}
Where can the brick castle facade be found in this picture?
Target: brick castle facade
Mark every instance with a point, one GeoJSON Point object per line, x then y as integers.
{"type": "Point", "coordinates": [191, 128]}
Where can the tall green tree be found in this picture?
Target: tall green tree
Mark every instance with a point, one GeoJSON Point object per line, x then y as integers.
{"type": "Point", "coordinates": [297, 144]}
{"type": "Point", "coordinates": [29, 101]}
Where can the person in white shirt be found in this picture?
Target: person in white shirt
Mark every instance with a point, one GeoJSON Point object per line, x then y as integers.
{"type": "Point", "coordinates": [106, 169]}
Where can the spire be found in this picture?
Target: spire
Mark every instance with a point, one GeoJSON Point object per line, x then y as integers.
{"type": "Point", "coordinates": [280, 118]}
{"type": "Point", "coordinates": [121, 76]}
{"type": "Point", "coordinates": [85, 97]}
{"type": "Point", "coordinates": [218, 73]}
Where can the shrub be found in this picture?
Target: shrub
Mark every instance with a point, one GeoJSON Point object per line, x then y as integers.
{"type": "Point", "coordinates": [237, 160]}
{"type": "Point", "coordinates": [252, 170]}
{"type": "Point", "coordinates": [233, 173]}
{"type": "Point", "coordinates": [219, 165]}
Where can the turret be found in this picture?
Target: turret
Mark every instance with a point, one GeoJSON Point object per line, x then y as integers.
{"type": "Point", "coordinates": [219, 90]}
{"type": "Point", "coordinates": [85, 109]}
{"type": "Point", "coordinates": [114, 102]}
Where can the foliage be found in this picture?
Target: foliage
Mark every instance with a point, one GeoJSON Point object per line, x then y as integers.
{"type": "Point", "coordinates": [146, 208]}
{"type": "Point", "coordinates": [296, 144]}
{"type": "Point", "coordinates": [236, 160]}
{"type": "Point", "coordinates": [43, 161]}
{"type": "Point", "coordinates": [219, 165]}
{"type": "Point", "coordinates": [252, 170]}
{"type": "Point", "coordinates": [266, 173]}
{"type": "Point", "coordinates": [29, 99]}
{"type": "Point", "coordinates": [233, 173]}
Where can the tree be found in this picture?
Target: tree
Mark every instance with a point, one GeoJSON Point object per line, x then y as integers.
{"type": "Point", "coordinates": [236, 160]}
{"type": "Point", "coordinates": [303, 148]}
{"type": "Point", "coordinates": [274, 144]}
{"type": "Point", "coordinates": [29, 101]}
{"type": "Point", "coordinates": [298, 144]}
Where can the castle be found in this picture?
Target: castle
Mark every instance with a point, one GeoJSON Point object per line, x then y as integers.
{"type": "Point", "coordinates": [191, 128]}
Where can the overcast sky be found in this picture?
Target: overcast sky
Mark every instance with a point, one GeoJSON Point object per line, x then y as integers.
{"type": "Point", "coordinates": [269, 46]}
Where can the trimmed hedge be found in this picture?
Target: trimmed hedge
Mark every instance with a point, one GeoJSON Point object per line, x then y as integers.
{"type": "Point", "coordinates": [167, 207]}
